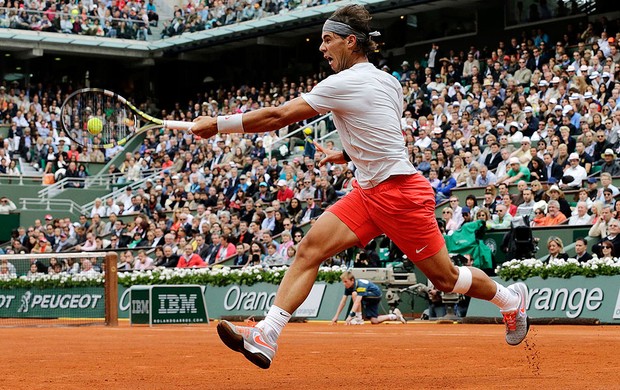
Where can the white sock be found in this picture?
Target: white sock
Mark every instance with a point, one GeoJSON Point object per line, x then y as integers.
{"type": "Point", "coordinates": [392, 317]}
{"type": "Point", "coordinates": [274, 322]}
{"type": "Point", "coordinates": [505, 299]}
{"type": "Point", "coordinates": [358, 315]}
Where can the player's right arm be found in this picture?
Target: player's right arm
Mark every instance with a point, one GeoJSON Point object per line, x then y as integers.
{"type": "Point", "coordinates": [343, 301]}
{"type": "Point", "coordinates": [260, 121]}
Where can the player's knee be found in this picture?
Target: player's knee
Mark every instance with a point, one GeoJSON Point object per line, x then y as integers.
{"type": "Point", "coordinates": [307, 254]}
{"type": "Point", "coordinates": [446, 281]}
{"type": "Point", "coordinates": [374, 321]}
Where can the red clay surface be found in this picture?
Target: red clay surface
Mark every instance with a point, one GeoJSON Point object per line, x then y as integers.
{"type": "Point", "coordinates": [312, 356]}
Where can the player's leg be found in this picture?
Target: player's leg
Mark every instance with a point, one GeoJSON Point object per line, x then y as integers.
{"type": "Point", "coordinates": [327, 237]}
{"type": "Point", "coordinates": [471, 281]}
{"type": "Point", "coordinates": [408, 201]}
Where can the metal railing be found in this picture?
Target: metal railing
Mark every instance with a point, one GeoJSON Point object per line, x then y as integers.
{"type": "Point", "coordinates": [315, 125]}
{"type": "Point", "coordinates": [84, 182]}
{"type": "Point", "coordinates": [133, 184]}
{"type": "Point", "coordinates": [21, 179]}
{"type": "Point", "coordinates": [51, 204]}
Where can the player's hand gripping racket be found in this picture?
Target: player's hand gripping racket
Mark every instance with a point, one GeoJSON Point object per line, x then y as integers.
{"type": "Point", "coordinates": [102, 119]}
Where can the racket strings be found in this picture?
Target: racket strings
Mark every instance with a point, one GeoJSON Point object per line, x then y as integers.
{"type": "Point", "coordinates": [117, 122]}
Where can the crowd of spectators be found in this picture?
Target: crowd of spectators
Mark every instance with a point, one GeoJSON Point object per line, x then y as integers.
{"type": "Point", "coordinates": [113, 19]}
{"type": "Point", "coordinates": [531, 112]}
{"type": "Point", "coordinates": [134, 19]}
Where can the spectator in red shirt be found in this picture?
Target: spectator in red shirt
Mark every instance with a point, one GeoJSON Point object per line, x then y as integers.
{"type": "Point", "coordinates": [284, 193]}
{"type": "Point", "coordinates": [189, 259]}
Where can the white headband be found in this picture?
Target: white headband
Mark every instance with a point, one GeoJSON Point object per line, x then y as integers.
{"type": "Point", "coordinates": [346, 30]}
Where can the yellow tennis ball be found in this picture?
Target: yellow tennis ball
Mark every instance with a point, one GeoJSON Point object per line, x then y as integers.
{"type": "Point", "coordinates": [307, 131]}
{"type": "Point", "coordinates": [95, 126]}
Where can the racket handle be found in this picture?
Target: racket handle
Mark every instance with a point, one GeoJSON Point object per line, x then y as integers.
{"type": "Point", "coordinates": [178, 125]}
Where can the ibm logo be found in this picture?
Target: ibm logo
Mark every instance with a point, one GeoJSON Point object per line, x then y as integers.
{"type": "Point", "coordinates": [177, 304]}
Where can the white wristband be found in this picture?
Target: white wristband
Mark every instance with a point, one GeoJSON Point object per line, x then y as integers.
{"type": "Point", "coordinates": [230, 123]}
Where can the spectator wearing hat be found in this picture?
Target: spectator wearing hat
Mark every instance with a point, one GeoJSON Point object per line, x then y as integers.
{"type": "Point", "coordinates": [574, 175]}
{"type": "Point", "coordinates": [263, 193]}
{"type": "Point", "coordinates": [269, 223]}
{"type": "Point", "coordinates": [284, 193]}
{"type": "Point", "coordinates": [524, 152]}
{"type": "Point", "coordinates": [610, 165]}
{"type": "Point", "coordinates": [405, 75]}
{"type": "Point", "coordinates": [65, 242]}
{"type": "Point", "coordinates": [515, 173]}
{"type": "Point", "coordinates": [531, 120]}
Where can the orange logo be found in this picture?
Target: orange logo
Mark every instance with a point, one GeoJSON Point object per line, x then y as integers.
{"type": "Point", "coordinates": [259, 340]}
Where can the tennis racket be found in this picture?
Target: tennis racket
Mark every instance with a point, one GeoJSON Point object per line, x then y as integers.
{"type": "Point", "coordinates": [102, 119]}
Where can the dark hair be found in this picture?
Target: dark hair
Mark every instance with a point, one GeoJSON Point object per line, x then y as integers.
{"type": "Point", "coordinates": [358, 18]}
{"type": "Point", "coordinates": [472, 197]}
{"type": "Point", "coordinates": [582, 240]}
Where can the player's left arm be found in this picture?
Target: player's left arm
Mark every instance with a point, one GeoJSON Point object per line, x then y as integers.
{"type": "Point", "coordinates": [259, 121]}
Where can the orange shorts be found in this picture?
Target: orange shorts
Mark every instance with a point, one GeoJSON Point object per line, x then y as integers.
{"type": "Point", "coordinates": [402, 207]}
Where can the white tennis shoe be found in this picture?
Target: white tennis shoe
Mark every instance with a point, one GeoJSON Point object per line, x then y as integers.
{"type": "Point", "coordinates": [516, 320]}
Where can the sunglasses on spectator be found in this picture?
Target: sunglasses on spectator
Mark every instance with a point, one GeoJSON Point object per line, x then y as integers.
{"type": "Point", "coordinates": [606, 247]}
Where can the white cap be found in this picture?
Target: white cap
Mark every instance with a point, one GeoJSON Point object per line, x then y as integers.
{"type": "Point", "coordinates": [434, 97]}
{"type": "Point", "coordinates": [158, 187]}
{"type": "Point", "coordinates": [555, 80]}
{"type": "Point", "coordinates": [281, 182]}
{"type": "Point", "coordinates": [525, 139]}
{"type": "Point", "coordinates": [566, 109]}
{"type": "Point", "coordinates": [175, 177]}
{"type": "Point", "coordinates": [528, 109]}
{"type": "Point", "coordinates": [587, 95]}
{"type": "Point", "coordinates": [573, 156]}
{"type": "Point", "coordinates": [543, 83]}
{"type": "Point", "coordinates": [437, 130]}
{"type": "Point", "coordinates": [553, 101]}
{"type": "Point", "coordinates": [570, 69]}
{"type": "Point", "coordinates": [557, 107]}
{"type": "Point", "coordinates": [515, 124]}
{"type": "Point", "coordinates": [574, 96]}
{"type": "Point", "coordinates": [606, 74]}
{"type": "Point", "coordinates": [583, 68]}
{"type": "Point", "coordinates": [456, 104]}
{"type": "Point", "coordinates": [594, 75]}
{"type": "Point", "coordinates": [514, 160]}
{"type": "Point", "coordinates": [501, 125]}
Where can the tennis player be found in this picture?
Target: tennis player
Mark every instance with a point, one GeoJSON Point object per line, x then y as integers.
{"type": "Point", "coordinates": [390, 196]}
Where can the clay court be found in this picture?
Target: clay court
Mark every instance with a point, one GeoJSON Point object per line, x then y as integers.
{"type": "Point", "coordinates": [312, 356]}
